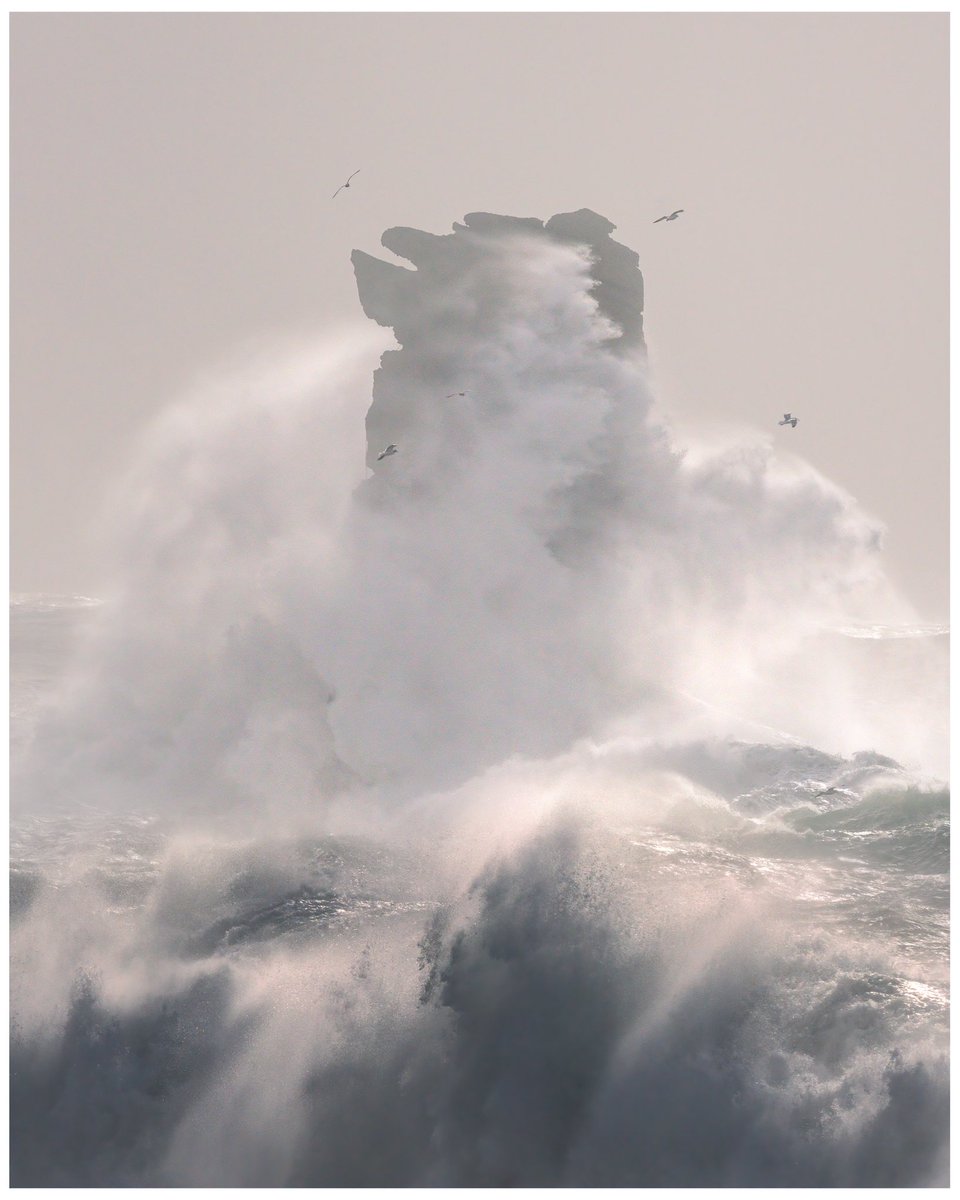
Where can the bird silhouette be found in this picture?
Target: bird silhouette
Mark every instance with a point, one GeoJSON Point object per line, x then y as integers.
{"type": "Point", "coordinates": [344, 185]}
{"type": "Point", "coordinates": [672, 217]}
{"type": "Point", "coordinates": [391, 449]}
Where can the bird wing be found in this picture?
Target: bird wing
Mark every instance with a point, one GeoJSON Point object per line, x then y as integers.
{"type": "Point", "coordinates": [786, 416]}
{"type": "Point", "coordinates": [356, 172]}
{"type": "Point", "coordinates": [338, 191]}
{"type": "Point", "coordinates": [659, 219]}
{"type": "Point", "coordinates": [676, 212]}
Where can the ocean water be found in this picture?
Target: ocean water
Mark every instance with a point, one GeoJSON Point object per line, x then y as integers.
{"type": "Point", "coordinates": [545, 805]}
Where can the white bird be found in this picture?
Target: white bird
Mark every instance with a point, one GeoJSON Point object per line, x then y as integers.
{"type": "Point", "coordinates": [391, 449]}
{"type": "Point", "coordinates": [456, 394]}
{"type": "Point", "coordinates": [788, 420]}
{"type": "Point", "coordinates": [344, 185]}
{"type": "Point", "coordinates": [672, 217]}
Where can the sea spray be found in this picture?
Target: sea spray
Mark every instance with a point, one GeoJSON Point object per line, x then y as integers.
{"type": "Point", "coordinates": [465, 818]}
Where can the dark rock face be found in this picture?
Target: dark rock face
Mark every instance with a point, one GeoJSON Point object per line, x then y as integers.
{"type": "Point", "coordinates": [619, 287]}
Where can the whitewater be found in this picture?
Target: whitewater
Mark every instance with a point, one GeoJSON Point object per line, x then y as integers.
{"type": "Point", "coordinates": [550, 803]}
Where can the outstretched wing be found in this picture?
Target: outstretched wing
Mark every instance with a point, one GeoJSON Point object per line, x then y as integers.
{"type": "Point", "coordinates": [676, 212]}
{"type": "Point", "coordinates": [343, 185]}
{"type": "Point", "coordinates": [659, 219]}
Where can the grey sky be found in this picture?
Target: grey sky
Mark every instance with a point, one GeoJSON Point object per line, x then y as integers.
{"type": "Point", "coordinates": [171, 183]}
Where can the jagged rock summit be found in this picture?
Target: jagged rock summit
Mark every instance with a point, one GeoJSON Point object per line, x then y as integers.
{"type": "Point", "coordinates": [474, 302]}
{"type": "Point", "coordinates": [394, 295]}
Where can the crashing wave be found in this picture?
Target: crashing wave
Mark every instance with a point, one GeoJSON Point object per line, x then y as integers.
{"type": "Point", "coordinates": [491, 814]}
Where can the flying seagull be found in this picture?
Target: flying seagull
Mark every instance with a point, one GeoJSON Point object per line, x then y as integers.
{"type": "Point", "coordinates": [788, 420]}
{"type": "Point", "coordinates": [391, 449]}
{"type": "Point", "coordinates": [343, 185]}
{"type": "Point", "coordinates": [672, 217]}
{"type": "Point", "coordinates": [456, 394]}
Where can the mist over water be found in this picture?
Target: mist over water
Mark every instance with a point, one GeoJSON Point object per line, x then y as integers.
{"type": "Point", "coordinates": [527, 808]}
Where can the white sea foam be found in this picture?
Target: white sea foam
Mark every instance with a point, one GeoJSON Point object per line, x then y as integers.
{"type": "Point", "coordinates": [868, 630]}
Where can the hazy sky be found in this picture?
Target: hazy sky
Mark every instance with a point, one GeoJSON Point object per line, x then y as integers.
{"type": "Point", "coordinates": [170, 203]}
